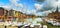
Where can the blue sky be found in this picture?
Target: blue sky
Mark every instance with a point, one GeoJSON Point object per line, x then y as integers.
{"type": "Point", "coordinates": [32, 7]}
{"type": "Point", "coordinates": [29, 3]}
{"type": "Point", "coordinates": [4, 1]}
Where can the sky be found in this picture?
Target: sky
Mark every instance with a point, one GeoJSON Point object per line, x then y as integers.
{"type": "Point", "coordinates": [39, 7]}
{"type": "Point", "coordinates": [29, 3]}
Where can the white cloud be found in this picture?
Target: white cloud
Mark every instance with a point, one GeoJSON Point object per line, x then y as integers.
{"type": "Point", "coordinates": [16, 6]}
{"type": "Point", "coordinates": [13, 5]}
{"type": "Point", "coordinates": [38, 14]}
{"type": "Point", "coordinates": [45, 13]}
{"type": "Point", "coordinates": [28, 12]}
{"type": "Point", "coordinates": [48, 6]}
{"type": "Point", "coordinates": [49, 11]}
{"type": "Point", "coordinates": [14, 1]}
{"type": "Point", "coordinates": [7, 6]}
{"type": "Point", "coordinates": [19, 5]}
{"type": "Point", "coordinates": [37, 6]}
{"type": "Point", "coordinates": [51, 3]}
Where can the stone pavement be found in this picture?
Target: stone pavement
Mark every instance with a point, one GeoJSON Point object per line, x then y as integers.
{"type": "Point", "coordinates": [1, 26]}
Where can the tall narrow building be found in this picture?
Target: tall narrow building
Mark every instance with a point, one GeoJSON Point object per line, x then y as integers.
{"type": "Point", "coordinates": [55, 15]}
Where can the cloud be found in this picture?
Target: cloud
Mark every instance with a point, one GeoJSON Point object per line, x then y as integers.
{"type": "Point", "coordinates": [39, 0]}
{"type": "Point", "coordinates": [37, 6]}
{"type": "Point", "coordinates": [12, 5]}
{"type": "Point", "coordinates": [48, 6]}
{"type": "Point", "coordinates": [17, 6]}
{"type": "Point", "coordinates": [45, 13]}
{"type": "Point", "coordinates": [6, 6]}
{"type": "Point", "coordinates": [20, 7]}
{"type": "Point", "coordinates": [39, 14]}
{"type": "Point", "coordinates": [49, 11]}
{"type": "Point", "coordinates": [28, 12]}
{"type": "Point", "coordinates": [14, 1]}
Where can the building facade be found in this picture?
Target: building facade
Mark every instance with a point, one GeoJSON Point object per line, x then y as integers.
{"type": "Point", "coordinates": [12, 15]}
{"type": "Point", "coordinates": [3, 13]}
{"type": "Point", "coordinates": [55, 15]}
